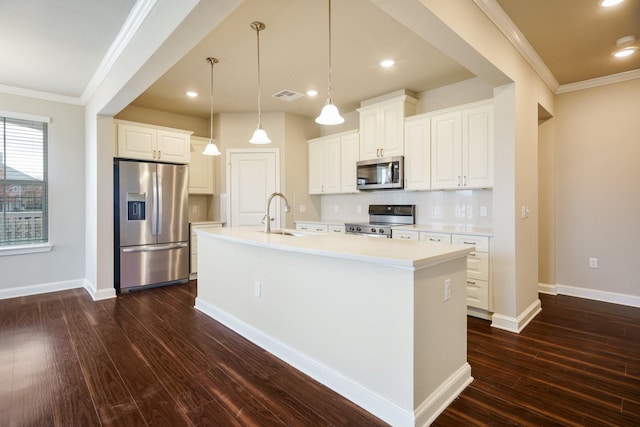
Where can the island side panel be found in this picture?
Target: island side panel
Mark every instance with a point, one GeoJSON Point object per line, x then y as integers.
{"type": "Point", "coordinates": [353, 317]}
{"type": "Point", "coordinates": [440, 335]}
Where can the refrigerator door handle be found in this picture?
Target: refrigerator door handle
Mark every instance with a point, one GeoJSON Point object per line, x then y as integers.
{"type": "Point", "coordinates": [154, 203]}
{"type": "Point", "coordinates": [149, 248]}
{"type": "Point", "coordinates": [158, 184]}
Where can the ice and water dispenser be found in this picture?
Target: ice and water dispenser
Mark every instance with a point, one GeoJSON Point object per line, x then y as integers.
{"type": "Point", "coordinates": [136, 206]}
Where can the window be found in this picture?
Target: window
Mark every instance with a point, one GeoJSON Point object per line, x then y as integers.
{"type": "Point", "coordinates": [23, 181]}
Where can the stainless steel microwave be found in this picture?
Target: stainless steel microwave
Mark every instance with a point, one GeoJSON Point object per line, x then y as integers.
{"type": "Point", "coordinates": [384, 173]}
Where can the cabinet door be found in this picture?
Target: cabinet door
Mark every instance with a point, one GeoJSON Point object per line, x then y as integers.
{"type": "Point", "coordinates": [315, 167]}
{"type": "Point", "coordinates": [446, 146]}
{"type": "Point", "coordinates": [369, 134]}
{"type": "Point", "coordinates": [332, 165]}
{"type": "Point", "coordinates": [417, 147]}
{"type": "Point", "coordinates": [477, 146]}
{"type": "Point", "coordinates": [392, 129]}
{"type": "Point", "coordinates": [136, 142]}
{"type": "Point", "coordinates": [349, 150]}
{"type": "Point", "coordinates": [173, 147]}
{"type": "Point", "coordinates": [405, 234]}
{"type": "Point", "coordinates": [200, 168]}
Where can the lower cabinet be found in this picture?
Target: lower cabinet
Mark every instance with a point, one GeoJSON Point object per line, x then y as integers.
{"type": "Point", "coordinates": [320, 228]}
{"type": "Point", "coordinates": [479, 297]}
{"type": "Point", "coordinates": [193, 243]}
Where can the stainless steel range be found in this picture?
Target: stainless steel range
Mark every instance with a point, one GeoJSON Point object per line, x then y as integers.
{"type": "Point", "coordinates": [381, 219]}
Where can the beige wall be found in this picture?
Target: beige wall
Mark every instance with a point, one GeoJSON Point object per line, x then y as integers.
{"type": "Point", "coordinates": [199, 126]}
{"type": "Point", "coordinates": [546, 200]}
{"type": "Point", "coordinates": [597, 154]}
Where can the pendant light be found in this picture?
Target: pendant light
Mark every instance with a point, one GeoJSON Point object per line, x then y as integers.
{"type": "Point", "coordinates": [211, 149]}
{"type": "Point", "coordinates": [259, 136]}
{"type": "Point", "coordinates": [329, 114]}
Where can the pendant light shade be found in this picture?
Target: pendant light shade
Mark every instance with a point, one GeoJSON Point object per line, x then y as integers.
{"type": "Point", "coordinates": [329, 114]}
{"type": "Point", "coordinates": [211, 149]}
{"type": "Point", "coordinates": [259, 136]}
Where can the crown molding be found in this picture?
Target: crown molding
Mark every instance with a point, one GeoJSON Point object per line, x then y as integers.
{"type": "Point", "coordinates": [599, 81]}
{"type": "Point", "coordinates": [131, 25]}
{"type": "Point", "coordinates": [45, 96]}
{"type": "Point", "coordinates": [498, 16]}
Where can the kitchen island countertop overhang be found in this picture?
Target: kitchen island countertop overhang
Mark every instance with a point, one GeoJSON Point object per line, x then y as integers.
{"type": "Point", "coordinates": [368, 317]}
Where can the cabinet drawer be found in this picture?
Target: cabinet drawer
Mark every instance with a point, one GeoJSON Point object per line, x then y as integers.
{"type": "Point", "coordinates": [336, 229]}
{"type": "Point", "coordinates": [405, 234]}
{"type": "Point", "coordinates": [481, 242]}
{"type": "Point", "coordinates": [478, 294]}
{"type": "Point", "coordinates": [435, 237]}
{"type": "Point", "coordinates": [478, 266]}
{"type": "Point", "coordinates": [318, 228]}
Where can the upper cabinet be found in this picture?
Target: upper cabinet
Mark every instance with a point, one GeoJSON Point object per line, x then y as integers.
{"type": "Point", "coordinates": [417, 150]}
{"type": "Point", "coordinates": [148, 142]}
{"type": "Point", "coordinates": [200, 168]}
{"type": "Point", "coordinates": [332, 163]}
{"type": "Point", "coordinates": [462, 147]}
{"type": "Point", "coordinates": [382, 127]}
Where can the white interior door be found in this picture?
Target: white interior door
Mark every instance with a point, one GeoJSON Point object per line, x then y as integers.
{"type": "Point", "coordinates": [252, 175]}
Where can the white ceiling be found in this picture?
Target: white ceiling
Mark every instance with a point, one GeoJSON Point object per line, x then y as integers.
{"type": "Point", "coordinates": [57, 47]}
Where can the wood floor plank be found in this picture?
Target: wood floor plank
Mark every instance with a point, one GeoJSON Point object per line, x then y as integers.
{"type": "Point", "coordinates": [151, 358]}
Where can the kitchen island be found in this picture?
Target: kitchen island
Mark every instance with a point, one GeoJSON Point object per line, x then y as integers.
{"type": "Point", "coordinates": [371, 318]}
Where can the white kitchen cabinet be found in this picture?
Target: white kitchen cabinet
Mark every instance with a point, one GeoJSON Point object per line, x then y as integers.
{"type": "Point", "coordinates": [312, 226]}
{"type": "Point", "coordinates": [382, 127]}
{"type": "Point", "coordinates": [462, 147]}
{"type": "Point", "coordinates": [478, 274]}
{"type": "Point", "coordinates": [332, 163]}
{"type": "Point", "coordinates": [426, 236]}
{"type": "Point", "coordinates": [194, 244]}
{"type": "Point", "coordinates": [147, 142]}
{"type": "Point", "coordinates": [201, 176]}
{"type": "Point", "coordinates": [405, 234]}
{"type": "Point", "coordinates": [417, 151]}
{"type": "Point", "coordinates": [349, 155]}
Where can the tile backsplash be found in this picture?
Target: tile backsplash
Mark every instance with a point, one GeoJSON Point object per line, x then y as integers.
{"type": "Point", "coordinates": [461, 207]}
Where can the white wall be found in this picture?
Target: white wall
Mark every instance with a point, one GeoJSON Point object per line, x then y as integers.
{"type": "Point", "coordinates": [597, 153]}
{"type": "Point", "coordinates": [63, 267]}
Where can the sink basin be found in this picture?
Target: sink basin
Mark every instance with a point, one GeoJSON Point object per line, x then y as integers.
{"type": "Point", "coordinates": [287, 233]}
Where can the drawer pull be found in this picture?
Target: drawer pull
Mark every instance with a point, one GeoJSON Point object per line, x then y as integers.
{"type": "Point", "coordinates": [468, 243]}
{"type": "Point", "coordinates": [434, 240]}
{"type": "Point", "coordinates": [471, 282]}
{"type": "Point", "coordinates": [471, 254]}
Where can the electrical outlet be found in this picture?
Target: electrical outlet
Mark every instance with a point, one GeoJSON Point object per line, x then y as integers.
{"type": "Point", "coordinates": [593, 262]}
{"type": "Point", "coordinates": [335, 208]}
{"type": "Point", "coordinates": [258, 289]}
{"type": "Point", "coordinates": [302, 208]}
{"type": "Point", "coordinates": [483, 211]}
{"type": "Point", "coordinates": [437, 212]}
{"type": "Point", "coordinates": [447, 289]}
{"type": "Point", "coordinates": [194, 209]}
{"type": "Point", "coordinates": [359, 208]}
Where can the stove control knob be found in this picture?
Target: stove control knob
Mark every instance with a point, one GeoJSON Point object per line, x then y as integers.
{"type": "Point", "coordinates": [373, 230]}
{"type": "Point", "coordinates": [381, 231]}
{"type": "Point", "coordinates": [358, 229]}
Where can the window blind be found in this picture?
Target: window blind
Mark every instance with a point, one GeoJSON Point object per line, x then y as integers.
{"type": "Point", "coordinates": [23, 182]}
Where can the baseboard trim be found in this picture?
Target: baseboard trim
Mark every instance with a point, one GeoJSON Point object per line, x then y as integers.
{"type": "Point", "coordinates": [361, 396]}
{"type": "Point", "coordinates": [41, 288]}
{"type": "Point", "coordinates": [437, 402]}
{"type": "Point", "coordinates": [99, 294]}
{"type": "Point", "coordinates": [592, 294]}
{"type": "Point", "coordinates": [517, 324]}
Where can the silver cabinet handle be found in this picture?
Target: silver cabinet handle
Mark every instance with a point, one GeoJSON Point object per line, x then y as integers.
{"type": "Point", "coordinates": [464, 180]}
{"type": "Point", "coordinates": [471, 282]}
{"type": "Point", "coordinates": [458, 181]}
{"type": "Point", "coordinates": [159, 154]}
{"type": "Point", "coordinates": [151, 248]}
{"type": "Point", "coordinates": [431, 239]}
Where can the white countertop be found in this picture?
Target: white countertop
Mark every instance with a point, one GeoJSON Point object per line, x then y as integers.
{"type": "Point", "coordinates": [206, 222]}
{"type": "Point", "coordinates": [390, 252]}
{"type": "Point", "coordinates": [452, 229]}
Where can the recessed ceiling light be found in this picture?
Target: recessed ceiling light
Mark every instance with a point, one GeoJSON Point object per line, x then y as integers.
{"type": "Point", "coordinates": [609, 3]}
{"type": "Point", "coordinates": [626, 46]}
{"type": "Point", "coordinates": [192, 94]}
{"type": "Point", "coordinates": [312, 92]}
{"type": "Point", "coordinates": [386, 63]}
{"type": "Point", "coordinates": [623, 53]}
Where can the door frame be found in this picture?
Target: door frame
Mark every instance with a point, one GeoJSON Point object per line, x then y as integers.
{"type": "Point", "coordinates": [237, 151]}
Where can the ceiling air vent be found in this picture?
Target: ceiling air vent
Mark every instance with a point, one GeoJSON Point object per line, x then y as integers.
{"type": "Point", "coordinates": [287, 95]}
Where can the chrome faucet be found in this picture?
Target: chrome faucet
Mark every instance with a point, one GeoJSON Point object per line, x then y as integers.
{"type": "Point", "coordinates": [267, 219]}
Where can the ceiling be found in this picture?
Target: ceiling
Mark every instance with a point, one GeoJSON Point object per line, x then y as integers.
{"type": "Point", "coordinates": [63, 43]}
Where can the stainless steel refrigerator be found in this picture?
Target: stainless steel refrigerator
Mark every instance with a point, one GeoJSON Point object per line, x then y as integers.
{"type": "Point", "coordinates": [151, 227]}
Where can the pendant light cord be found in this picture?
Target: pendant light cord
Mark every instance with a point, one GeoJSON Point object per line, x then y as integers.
{"type": "Point", "coordinates": [258, 26]}
{"type": "Point", "coordinates": [211, 61]}
{"type": "Point", "coordinates": [329, 88]}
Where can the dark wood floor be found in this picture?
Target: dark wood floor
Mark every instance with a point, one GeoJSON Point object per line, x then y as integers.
{"type": "Point", "coordinates": [149, 358]}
